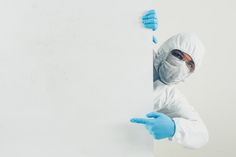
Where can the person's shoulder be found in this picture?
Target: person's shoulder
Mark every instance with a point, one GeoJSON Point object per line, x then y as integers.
{"type": "Point", "coordinates": [175, 92]}
{"type": "Point", "coordinates": [157, 85]}
{"type": "Point", "coordinates": [159, 88]}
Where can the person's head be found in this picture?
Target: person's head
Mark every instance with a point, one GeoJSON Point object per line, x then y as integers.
{"type": "Point", "coordinates": [183, 56]}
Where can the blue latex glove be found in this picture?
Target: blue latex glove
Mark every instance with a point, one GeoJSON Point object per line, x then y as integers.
{"type": "Point", "coordinates": [159, 125]}
{"type": "Point", "coordinates": [149, 20]}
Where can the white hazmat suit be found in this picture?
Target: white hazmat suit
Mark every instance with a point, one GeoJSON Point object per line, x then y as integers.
{"type": "Point", "coordinates": [191, 131]}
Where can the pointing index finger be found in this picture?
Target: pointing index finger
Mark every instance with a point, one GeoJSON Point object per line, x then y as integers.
{"type": "Point", "coordinates": [140, 120]}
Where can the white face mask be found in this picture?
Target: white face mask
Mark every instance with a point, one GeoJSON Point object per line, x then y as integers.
{"type": "Point", "coordinates": [173, 70]}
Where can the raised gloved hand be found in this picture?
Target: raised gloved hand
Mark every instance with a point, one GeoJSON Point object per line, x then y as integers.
{"type": "Point", "coordinates": [149, 20]}
{"type": "Point", "coordinates": [159, 125]}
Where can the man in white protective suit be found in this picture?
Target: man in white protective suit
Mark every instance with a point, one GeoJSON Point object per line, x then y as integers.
{"type": "Point", "coordinates": [173, 117]}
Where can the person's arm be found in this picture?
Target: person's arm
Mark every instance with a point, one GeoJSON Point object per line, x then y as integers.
{"type": "Point", "coordinates": [191, 131]}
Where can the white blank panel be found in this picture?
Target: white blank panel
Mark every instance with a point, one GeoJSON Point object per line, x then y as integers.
{"type": "Point", "coordinates": [72, 74]}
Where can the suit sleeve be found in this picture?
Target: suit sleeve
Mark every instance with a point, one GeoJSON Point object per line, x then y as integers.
{"type": "Point", "coordinates": [191, 131]}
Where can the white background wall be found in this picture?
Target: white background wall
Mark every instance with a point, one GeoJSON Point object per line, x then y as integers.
{"type": "Point", "coordinates": [72, 73]}
{"type": "Point", "coordinates": [212, 90]}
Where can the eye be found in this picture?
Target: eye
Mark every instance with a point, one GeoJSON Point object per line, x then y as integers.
{"type": "Point", "coordinates": [177, 54]}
